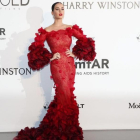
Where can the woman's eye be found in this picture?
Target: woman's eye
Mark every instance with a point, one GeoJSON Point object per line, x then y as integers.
{"type": "Point", "coordinates": [58, 9]}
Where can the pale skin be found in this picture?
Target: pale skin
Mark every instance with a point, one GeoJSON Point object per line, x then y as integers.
{"type": "Point", "coordinates": [58, 9]}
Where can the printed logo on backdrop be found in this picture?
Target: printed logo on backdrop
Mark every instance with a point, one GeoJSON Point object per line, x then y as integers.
{"type": "Point", "coordinates": [134, 106]}
{"type": "Point", "coordinates": [46, 105]}
{"type": "Point", "coordinates": [13, 4]}
{"type": "Point", "coordinates": [2, 34]}
{"type": "Point", "coordinates": [103, 5]}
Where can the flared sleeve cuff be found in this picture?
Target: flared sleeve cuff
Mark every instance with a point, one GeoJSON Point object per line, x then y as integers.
{"type": "Point", "coordinates": [84, 50]}
{"type": "Point", "coordinates": [85, 46]}
{"type": "Point", "coordinates": [38, 56]}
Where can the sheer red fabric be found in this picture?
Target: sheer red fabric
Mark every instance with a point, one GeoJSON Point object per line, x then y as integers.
{"type": "Point", "coordinates": [61, 120]}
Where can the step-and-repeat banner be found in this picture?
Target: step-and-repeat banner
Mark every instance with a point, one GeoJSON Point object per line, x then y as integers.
{"type": "Point", "coordinates": [107, 89]}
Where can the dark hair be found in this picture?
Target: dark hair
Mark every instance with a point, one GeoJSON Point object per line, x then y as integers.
{"type": "Point", "coordinates": [54, 5]}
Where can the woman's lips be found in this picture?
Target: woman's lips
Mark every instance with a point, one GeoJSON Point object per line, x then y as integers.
{"type": "Point", "coordinates": [60, 14]}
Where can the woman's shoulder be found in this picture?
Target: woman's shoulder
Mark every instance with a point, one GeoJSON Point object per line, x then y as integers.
{"type": "Point", "coordinates": [48, 28]}
{"type": "Point", "coordinates": [69, 26]}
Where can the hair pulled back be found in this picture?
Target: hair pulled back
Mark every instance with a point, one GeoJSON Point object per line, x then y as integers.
{"type": "Point", "coordinates": [54, 5]}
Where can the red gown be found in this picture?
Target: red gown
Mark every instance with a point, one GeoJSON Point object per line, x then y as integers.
{"type": "Point", "coordinates": [61, 120]}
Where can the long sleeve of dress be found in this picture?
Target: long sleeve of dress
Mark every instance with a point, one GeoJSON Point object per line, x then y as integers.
{"type": "Point", "coordinates": [85, 46]}
{"type": "Point", "coordinates": [38, 55]}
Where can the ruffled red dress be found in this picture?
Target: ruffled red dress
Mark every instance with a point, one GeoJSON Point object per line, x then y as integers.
{"type": "Point", "coordinates": [61, 120]}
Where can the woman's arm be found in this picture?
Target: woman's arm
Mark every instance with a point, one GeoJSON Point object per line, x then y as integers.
{"type": "Point", "coordinates": [38, 55]}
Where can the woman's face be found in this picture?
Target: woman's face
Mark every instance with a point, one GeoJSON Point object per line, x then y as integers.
{"type": "Point", "coordinates": [58, 11]}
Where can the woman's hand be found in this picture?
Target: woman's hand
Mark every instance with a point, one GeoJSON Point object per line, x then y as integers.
{"type": "Point", "coordinates": [69, 53]}
{"type": "Point", "coordinates": [55, 56]}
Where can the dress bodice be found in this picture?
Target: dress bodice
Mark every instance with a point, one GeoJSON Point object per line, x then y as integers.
{"type": "Point", "coordinates": [60, 41]}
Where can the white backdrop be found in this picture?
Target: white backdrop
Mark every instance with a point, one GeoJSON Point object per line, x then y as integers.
{"type": "Point", "coordinates": [103, 94]}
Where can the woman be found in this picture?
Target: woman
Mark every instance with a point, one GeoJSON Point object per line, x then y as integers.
{"type": "Point", "coordinates": [61, 120]}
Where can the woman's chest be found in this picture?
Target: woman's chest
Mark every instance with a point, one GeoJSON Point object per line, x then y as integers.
{"type": "Point", "coordinates": [59, 38]}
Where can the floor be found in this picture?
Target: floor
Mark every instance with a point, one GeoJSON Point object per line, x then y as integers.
{"type": "Point", "coordinates": [93, 135]}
